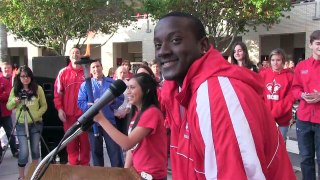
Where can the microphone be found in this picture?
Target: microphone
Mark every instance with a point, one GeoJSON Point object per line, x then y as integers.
{"type": "Point", "coordinates": [115, 89]}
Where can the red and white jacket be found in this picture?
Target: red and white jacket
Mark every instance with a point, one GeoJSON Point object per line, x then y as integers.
{"type": "Point", "coordinates": [306, 79]}
{"type": "Point", "coordinates": [277, 94]}
{"type": "Point", "coordinates": [5, 89]}
{"type": "Point", "coordinates": [66, 90]}
{"type": "Point", "coordinates": [220, 126]}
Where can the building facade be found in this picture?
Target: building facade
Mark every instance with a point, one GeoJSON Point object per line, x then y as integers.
{"type": "Point", "coordinates": [136, 42]}
{"type": "Point", "coordinates": [291, 34]}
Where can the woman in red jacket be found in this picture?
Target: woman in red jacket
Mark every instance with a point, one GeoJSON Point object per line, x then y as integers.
{"type": "Point", "coordinates": [277, 91]}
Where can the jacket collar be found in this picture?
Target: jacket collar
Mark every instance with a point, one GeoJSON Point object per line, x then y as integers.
{"type": "Point", "coordinates": [76, 70]}
{"type": "Point", "coordinates": [212, 64]}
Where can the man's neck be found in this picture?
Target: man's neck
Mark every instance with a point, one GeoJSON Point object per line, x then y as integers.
{"type": "Point", "coordinates": [75, 66]}
{"type": "Point", "coordinates": [179, 83]}
{"type": "Point", "coordinates": [316, 57]}
{"type": "Point", "coordinates": [7, 76]}
{"type": "Point", "coordinates": [98, 78]}
{"type": "Point", "coordinates": [276, 70]}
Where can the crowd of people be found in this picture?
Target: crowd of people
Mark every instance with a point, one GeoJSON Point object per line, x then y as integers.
{"type": "Point", "coordinates": [217, 111]}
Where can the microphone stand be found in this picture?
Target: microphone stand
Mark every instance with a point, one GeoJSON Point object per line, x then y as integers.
{"type": "Point", "coordinates": [26, 126]}
{"type": "Point", "coordinates": [45, 162]}
{"type": "Point", "coordinates": [26, 111]}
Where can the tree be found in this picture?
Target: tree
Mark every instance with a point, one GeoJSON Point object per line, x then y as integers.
{"type": "Point", "coordinates": [51, 23]}
{"type": "Point", "coordinates": [224, 19]}
{"type": "Point", "coordinates": [3, 43]}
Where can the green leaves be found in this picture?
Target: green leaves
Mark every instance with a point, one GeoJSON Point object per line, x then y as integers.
{"type": "Point", "coordinates": [224, 19]}
{"type": "Point", "coordinates": [52, 23]}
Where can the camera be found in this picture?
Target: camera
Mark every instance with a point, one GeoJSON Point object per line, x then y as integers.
{"type": "Point", "coordinates": [24, 95]}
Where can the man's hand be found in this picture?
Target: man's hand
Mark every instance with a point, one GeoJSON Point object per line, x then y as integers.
{"type": "Point", "coordinates": [311, 97]}
{"type": "Point", "coordinates": [90, 103]}
{"type": "Point", "coordinates": [62, 115]}
{"type": "Point", "coordinates": [90, 36]}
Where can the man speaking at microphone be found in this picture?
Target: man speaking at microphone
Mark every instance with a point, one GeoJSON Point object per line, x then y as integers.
{"type": "Point", "coordinates": [66, 90]}
{"type": "Point", "coordinates": [100, 85]}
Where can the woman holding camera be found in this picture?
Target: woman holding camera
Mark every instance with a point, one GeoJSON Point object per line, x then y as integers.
{"type": "Point", "coordinates": [27, 94]}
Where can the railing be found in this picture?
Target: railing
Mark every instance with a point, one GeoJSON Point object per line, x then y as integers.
{"type": "Point", "coordinates": [316, 16]}
{"type": "Point", "coordinates": [301, 1]}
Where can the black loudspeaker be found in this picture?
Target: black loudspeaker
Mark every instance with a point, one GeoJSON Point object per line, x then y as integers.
{"type": "Point", "coordinates": [45, 70]}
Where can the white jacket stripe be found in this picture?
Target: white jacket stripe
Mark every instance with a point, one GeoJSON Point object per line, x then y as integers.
{"type": "Point", "coordinates": [242, 130]}
{"type": "Point", "coordinates": [59, 82]}
{"type": "Point", "coordinates": [204, 115]}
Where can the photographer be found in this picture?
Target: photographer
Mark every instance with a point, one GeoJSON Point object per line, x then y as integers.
{"type": "Point", "coordinates": [27, 92]}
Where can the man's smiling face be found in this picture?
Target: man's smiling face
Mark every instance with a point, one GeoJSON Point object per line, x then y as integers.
{"type": "Point", "coordinates": [176, 47]}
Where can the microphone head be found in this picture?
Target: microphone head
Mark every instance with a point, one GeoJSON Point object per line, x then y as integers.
{"type": "Point", "coordinates": [85, 60]}
{"type": "Point", "coordinates": [118, 87]}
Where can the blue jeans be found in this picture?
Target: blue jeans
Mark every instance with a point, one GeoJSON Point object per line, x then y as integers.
{"type": "Point", "coordinates": [6, 123]}
{"type": "Point", "coordinates": [113, 149]}
{"type": "Point", "coordinates": [35, 130]}
{"type": "Point", "coordinates": [284, 132]}
{"type": "Point", "coordinates": [308, 135]}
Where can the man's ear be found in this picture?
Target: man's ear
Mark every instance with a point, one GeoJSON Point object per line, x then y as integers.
{"type": "Point", "coordinates": [204, 42]}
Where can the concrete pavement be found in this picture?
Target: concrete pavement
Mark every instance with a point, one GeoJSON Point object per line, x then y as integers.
{"type": "Point", "coordinates": [9, 169]}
